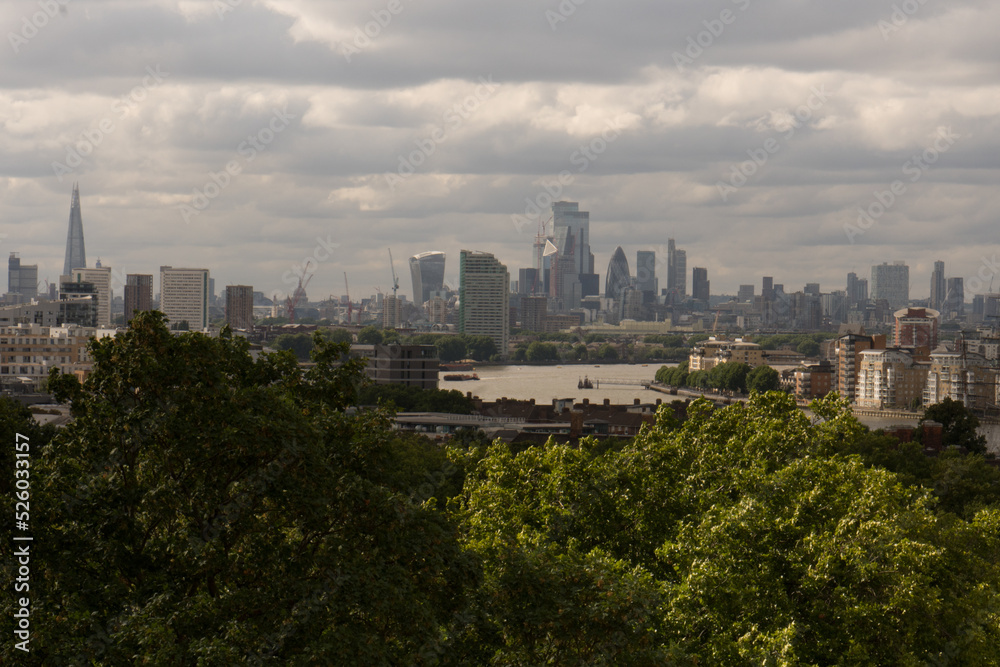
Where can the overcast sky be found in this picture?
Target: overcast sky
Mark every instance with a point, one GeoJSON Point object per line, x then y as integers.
{"type": "Point", "coordinates": [751, 131]}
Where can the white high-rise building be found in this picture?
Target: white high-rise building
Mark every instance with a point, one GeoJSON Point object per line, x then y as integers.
{"type": "Point", "coordinates": [184, 296]}
{"type": "Point", "coordinates": [484, 298]}
{"type": "Point", "coordinates": [101, 278]}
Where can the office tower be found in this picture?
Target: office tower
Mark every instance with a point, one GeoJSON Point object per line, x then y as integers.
{"type": "Point", "coordinates": [239, 307]}
{"type": "Point", "coordinates": [427, 275]}
{"type": "Point", "coordinates": [534, 310]}
{"type": "Point", "coordinates": [745, 294]}
{"type": "Point", "coordinates": [767, 288]}
{"type": "Point", "coordinates": [645, 274]}
{"type": "Point", "coordinates": [916, 327]}
{"type": "Point", "coordinates": [812, 288]}
{"type": "Point", "coordinates": [78, 303]}
{"type": "Point", "coordinates": [392, 311]}
{"type": "Point", "coordinates": [857, 290]}
{"type": "Point", "coordinates": [618, 278]}
{"type": "Point", "coordinates": [527, 282]}
{"type": "Point", "coordinates": [631, 304]}
{"type": "Point", "coordinates": [571, 237]}
{"type": "Point", "coordinates": [484, 298]}
{"type": "Point", "coordinates": [892, 283]}
{"type": "Point", "coordinates": [954, 300]}
{"type": "Point", "coordinates": [680, 271]}
{"type": "Point", "coordinates": [700, 284]}
{"type": "Point", "coordinates": [22, 279]}
{"type": "Point", "coordinates": [184, 296]}
{"type": "Point", "coordinates": [437, 310]}
{"type": "Point", "coordinates": [101, 278]}
{"type": "Point", "coordinates": [76, 255]}
{"type": "Point", "coordinates": [676, 269]}
{"type": "Point", "coordinates": [138, 294]}
{"type": "Point", "coordinates": [938, 286]}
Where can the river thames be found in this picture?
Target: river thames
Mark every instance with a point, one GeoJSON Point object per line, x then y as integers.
{"type": "Point", "coordinates": [544, 383]}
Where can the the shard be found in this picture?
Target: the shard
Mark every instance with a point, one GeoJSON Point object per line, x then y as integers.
{"type": "Point", "coordinates": [76, 255]}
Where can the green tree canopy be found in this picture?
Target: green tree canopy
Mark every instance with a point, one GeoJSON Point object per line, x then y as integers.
{"type": "Point", "coordinates": [206, 508]}
{"type": "Point", "coordinates": [960, 425]}
{"type": "Point", "coordinates": [763, 378]}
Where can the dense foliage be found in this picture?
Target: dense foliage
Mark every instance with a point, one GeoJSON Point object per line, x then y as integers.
{"type": "Point", "coordinates": [205, 508]}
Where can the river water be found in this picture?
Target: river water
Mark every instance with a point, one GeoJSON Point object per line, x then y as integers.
{"type": "Point", "coordinates": [544, 383]}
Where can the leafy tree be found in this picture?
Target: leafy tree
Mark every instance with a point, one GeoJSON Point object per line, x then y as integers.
{"type": "Point", "coordinates": [541, 352]}
{"type": "Point", "coordinates": [729, 376]}
{"type": "Point", "coordinates": [370, 336]}
{"type": "Point", "coordinates": [451, 348]}
{"type": "Point", "coordinates": [339, 336]}
{"type": "Point", "coordinates": [733, 539]}
{"type": "Point", "coordinates": [960, 425]}
{"type": "Point", "coordinates": [580, 352]}
{"type": "Point", "coordinates": [763, 378]}
{"type": "Point", "coordinates": [481, 348]}
{"type": "Point", "coordinates": [207, 508]}
{"type": "Point", "coordinates": [299, 344]}
{"type": "Point", "coordinates": [607, 352]}
{"type": "Point", "coordinates": [810, 348]}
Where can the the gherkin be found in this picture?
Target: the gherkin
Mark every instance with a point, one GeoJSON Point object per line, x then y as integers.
{"type": "Point", "coordinates": [76, 255]}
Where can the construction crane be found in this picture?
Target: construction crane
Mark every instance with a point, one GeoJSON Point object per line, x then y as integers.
{"type": "Point", "coordinates": [395, 280]}
{"type": "Point", "coordinates": [350, 306]}
{"type": "Point", "coordinates": [295, 297]}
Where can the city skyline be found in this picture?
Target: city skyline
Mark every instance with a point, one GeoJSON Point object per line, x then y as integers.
{"type": "Point", "coordinates": [756, 147]}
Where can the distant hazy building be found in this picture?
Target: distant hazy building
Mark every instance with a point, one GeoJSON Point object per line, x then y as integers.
{"type": "Point", "coordinates": [954, 300]}
{"type": "Point", "coordinates": [138, 294]}
{"type": "Point", "coordinates": [76, 254]}
{"type": "Point", "coordinates": [427, 275]}
{"type": "Point", "coordinates": [101, 279]}
{"type": "Point", "coordinates": [484, 298]}
{"type": "Point", "coordinates": [618, 277]}
{"type": "Point", "coordinates": [745, 294]}
{"type": "Point", "coordinates": [392, 311]}
{"type": "Point", "coordinates": [529, 282]}
{"type": "Point", "coordinates": [184, 296]}
{"type": "Point", "coordinates": [22, 279]}
{"type": "Point", "coordinates": [767, 288]}
{"type": "Point", "coordinates": [239, 307]}
{"type": "Point", "coordinates": [533, 312]}
{"type": "Point", "coordinates": [700, 286]}
{"type": "Point", "coordinates": [892, 283]}
{"type": "Point", "coordinates": [645, 275]}
{"type": "Point", "coordinates": [857, 290]}
{"type": "Point", "coordinates": [812, 289]}
{"type": "Point", "coordinates": [571, 237]}
{"type": "Point", "coordinates": [938, 286]}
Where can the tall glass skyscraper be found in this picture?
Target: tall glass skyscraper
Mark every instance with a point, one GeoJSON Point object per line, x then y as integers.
{"type": "Point", "coordinates": [427, 274]}
{"type": "Point", "coordinates": [76, 255]}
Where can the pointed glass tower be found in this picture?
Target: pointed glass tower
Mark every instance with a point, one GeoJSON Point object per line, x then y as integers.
{"type": "Point", "coordinates": [76, 256]}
